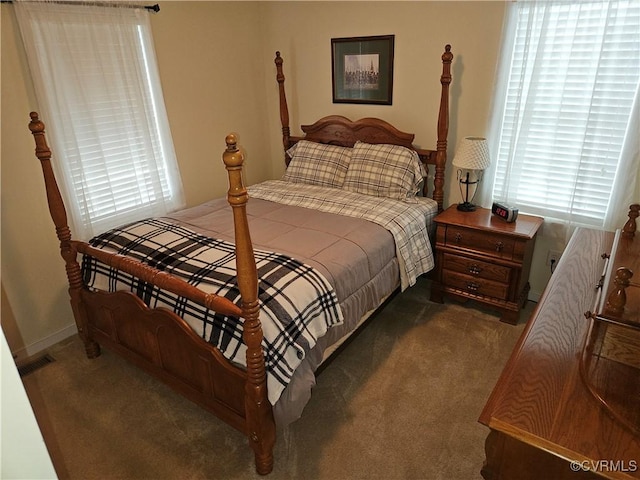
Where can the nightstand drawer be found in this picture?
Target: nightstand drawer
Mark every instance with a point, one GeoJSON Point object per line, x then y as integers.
{"type": "Point", "coordinates": [474, 285]}
{"type": "Point", "coordinates": [495, 244]}
{"type": "Point", "coordinates": [484, 258]}
{"type": "Point", "coordinates": [476, 268]}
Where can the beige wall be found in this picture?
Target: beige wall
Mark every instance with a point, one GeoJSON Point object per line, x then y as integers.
{"type": "Point", "coordinates": [216, 66]}
{"type": "Point", "coordinates": [212, 70]}
{"type": "Point", "coordinates": [421, 31]}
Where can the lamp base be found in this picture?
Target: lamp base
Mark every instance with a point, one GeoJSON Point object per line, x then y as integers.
{"type": "Point", "coordinates": [466, 207]}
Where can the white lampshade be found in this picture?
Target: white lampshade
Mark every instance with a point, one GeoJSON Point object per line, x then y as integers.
{"type": "Point", "coordinates": [472, 154]}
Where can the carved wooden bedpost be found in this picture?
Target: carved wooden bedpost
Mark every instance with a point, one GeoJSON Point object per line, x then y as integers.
{"type": "Point", "coordinates": [260, 423]}
{"type": "Point", "coordinates": [284, 109]}
{"type": "Point", "coordinates": [67, 247]}
{"type": "Point", "coordinates": [629, 229]}
{"type": "Point", "coordinates": [617, 299]}
{"type": "Point", "coordinates": [443, 127]}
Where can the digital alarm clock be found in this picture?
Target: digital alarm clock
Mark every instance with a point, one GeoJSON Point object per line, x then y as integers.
{"type": "Point", "coordinates": [505, 212]}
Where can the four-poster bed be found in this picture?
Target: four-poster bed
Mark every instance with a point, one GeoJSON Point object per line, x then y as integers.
{"type": "Point", "coordinates": [148, 292]}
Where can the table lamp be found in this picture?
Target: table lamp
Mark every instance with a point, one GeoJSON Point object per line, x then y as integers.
{"type": "Point", "coordinates": [471, 158]}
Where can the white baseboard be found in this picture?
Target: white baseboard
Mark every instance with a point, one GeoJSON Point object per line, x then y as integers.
{"type": "Point", "coordinates": [40, 345]}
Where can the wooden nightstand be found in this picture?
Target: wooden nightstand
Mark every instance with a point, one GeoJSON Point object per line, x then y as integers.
{"type": "Point", "coordinates": [481, 257]}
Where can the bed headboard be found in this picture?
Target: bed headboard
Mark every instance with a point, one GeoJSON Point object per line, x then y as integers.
{"type": "Point", "coordinates": [339, 130]}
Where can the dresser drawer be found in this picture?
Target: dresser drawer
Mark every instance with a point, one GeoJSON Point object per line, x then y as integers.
{"type": "Point", "coordinates": [495, 244]}
{"type": "Point", "coordinates": [474, 285]}
{"type": "Point", "coordinates": [476, 268]}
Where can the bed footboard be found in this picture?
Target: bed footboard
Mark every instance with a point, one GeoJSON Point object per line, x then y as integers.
{"type": "Point", "coordinates": [159, 341]}
{"type": "Point", "coordinates": [163, 345]}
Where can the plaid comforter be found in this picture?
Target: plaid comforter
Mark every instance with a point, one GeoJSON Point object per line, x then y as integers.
{"type": "Point", "coordinates": [297, 303]}
{"type": "Point", "coordinates": [407, 222]}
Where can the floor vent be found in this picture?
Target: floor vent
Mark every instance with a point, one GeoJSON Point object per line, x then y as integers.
{"type": "Point", "coordinates": [35, 364]}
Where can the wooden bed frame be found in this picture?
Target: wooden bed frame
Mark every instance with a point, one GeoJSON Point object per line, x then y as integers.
{"type": "Point", "coordinates": [163, 344]}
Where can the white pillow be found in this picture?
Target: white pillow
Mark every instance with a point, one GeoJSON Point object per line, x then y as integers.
{"type": "Point", "coordinates": [384, 170]}
{"type": "Point", "coordinates": [317, 164]}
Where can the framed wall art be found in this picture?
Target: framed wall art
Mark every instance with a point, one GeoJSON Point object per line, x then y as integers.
{"type": "Point", "coordinates": [362, 69]}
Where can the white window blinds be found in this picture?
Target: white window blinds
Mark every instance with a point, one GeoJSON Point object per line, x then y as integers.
{"type": "Point", "coordinates": [100, 97]}
{"type": "Point", "coordinates": [571, 89]}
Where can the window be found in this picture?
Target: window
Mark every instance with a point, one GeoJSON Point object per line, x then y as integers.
{"type": "Point", "coordinates": [570, 75]}
{"type": "Point", "coordinates": [99, 95]}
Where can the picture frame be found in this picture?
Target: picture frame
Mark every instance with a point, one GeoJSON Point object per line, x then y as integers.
{"type": "Point", "coordinates": [362, 69]}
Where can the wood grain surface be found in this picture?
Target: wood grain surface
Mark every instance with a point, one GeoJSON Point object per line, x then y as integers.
{"type": "Point", "coordinates": [540, 406]}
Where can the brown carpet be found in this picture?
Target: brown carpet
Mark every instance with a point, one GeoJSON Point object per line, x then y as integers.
{"type": "Point", "coordinates": [400, 402]}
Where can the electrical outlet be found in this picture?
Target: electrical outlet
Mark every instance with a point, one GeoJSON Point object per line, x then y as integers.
{"type": "Point", "coordinates": [553, 256]}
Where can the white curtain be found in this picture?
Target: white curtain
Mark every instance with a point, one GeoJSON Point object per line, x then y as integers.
{"type": "Point", "coordinates": [564, 130]}
{"type": "Point", "coordinates": [98, 90]}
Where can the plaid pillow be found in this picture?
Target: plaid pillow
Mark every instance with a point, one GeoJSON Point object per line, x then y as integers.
{"type": "Point", "coordinates": [317, 164]}
{"type": "Point", "coordinates": [384, 170]}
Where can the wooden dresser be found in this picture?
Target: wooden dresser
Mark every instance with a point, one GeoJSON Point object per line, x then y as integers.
{"type": "Point", "coordinates": [481, 257]}
{"type": "Point", "coordinates": [565, 406]}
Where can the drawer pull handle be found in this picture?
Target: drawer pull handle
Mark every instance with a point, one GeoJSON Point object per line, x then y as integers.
{"type": "Point", "coordinates": [499, 246]}
{"type": "Point", "coordinates": [458, 237]}
{"type": "Point", "coordinates": [473, 286]}
{"type": "Point", "coordinates": [474, 269]}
